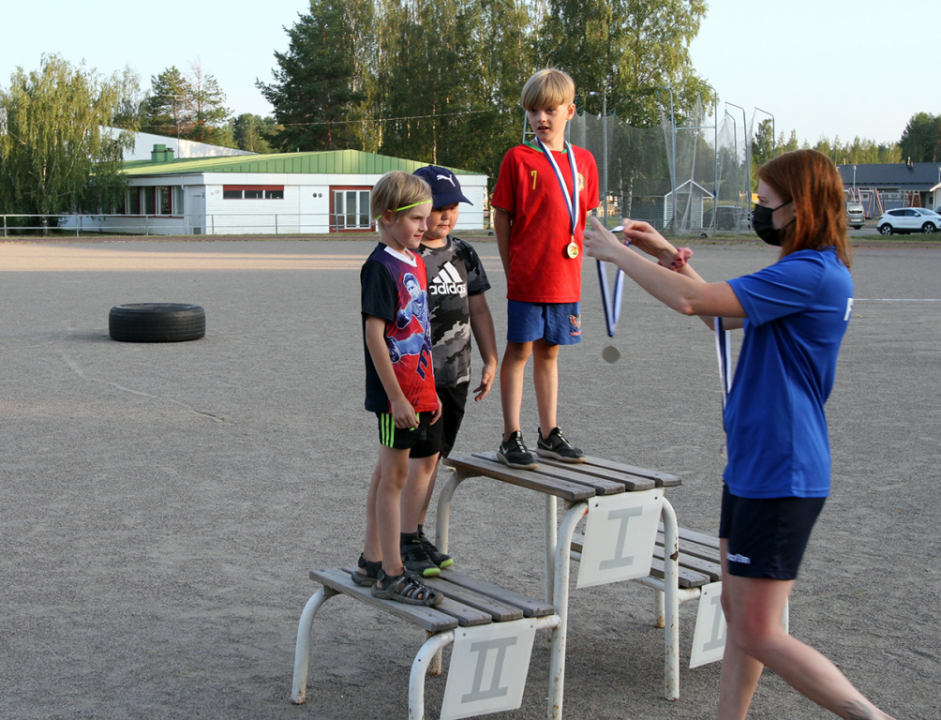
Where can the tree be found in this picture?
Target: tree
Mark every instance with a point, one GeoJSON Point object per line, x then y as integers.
{"type": "Point", "coordinates": [314, 93]}
{"type": "Point", "coordinates": [921, 139]}
{"type": "Point", "coordinates": [191, 107]}
{"type": "Point", "coordinates": [253, 133]}
{"type": "Point", "coordinates": [56, 154]}
{"type": "Point", "coordinates": [207, 103]}
{"type": "Point", "coordinates": [626, 49]}
{"type": "Point", "coordinates": [168, 105]}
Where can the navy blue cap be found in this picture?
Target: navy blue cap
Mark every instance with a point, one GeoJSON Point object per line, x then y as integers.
{"type": "Point", "coordinates": [445, 188]}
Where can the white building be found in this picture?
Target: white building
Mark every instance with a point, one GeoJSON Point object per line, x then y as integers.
{"type": "Point", "coordinates": [291, 193]}
{"type": "Point", "coordinates": [181, 149]}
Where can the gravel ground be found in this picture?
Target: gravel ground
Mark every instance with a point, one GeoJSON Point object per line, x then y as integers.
{"type": "Point", "coordinates": [162, 504]}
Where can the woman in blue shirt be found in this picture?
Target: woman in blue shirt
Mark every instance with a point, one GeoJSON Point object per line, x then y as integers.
{"type": "Point", "coordinates": [794, 314]}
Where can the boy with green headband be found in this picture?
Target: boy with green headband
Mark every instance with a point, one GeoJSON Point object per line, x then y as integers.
{"type": "Point", "coordinates": [400, 383]}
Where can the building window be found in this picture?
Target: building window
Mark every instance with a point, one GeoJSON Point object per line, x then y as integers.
{"type": "Point", "coordinates": [154, 201]}
{"type": "Point", "coordinates": [164, 205]}
{"type": "Point", "coordinates": [253, 192]}
{"type": "Point", "coordinates": [350, 209]}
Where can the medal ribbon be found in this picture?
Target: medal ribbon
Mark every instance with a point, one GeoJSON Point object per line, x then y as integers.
{"type": "Point", "coordinates": [612, 306]}
{"type": "Point", "coordinates": [725, 360]}
{"type": "Point", "coordinates": [570, 202]}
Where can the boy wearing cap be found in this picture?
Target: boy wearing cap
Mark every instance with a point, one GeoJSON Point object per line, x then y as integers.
{"type": "Point", "coordinates": [542, 196]}
{"type": "Point", "coordinates": [456, 283]}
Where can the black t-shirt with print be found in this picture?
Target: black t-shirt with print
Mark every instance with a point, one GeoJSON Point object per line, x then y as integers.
{"type": "Point", "coordinates": [454, 274]}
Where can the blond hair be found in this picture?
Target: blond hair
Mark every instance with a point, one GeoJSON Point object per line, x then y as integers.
{"type": "Point", "coordinates": [548, 88]}
{"type": "Point", "coordinates": [397, 190]}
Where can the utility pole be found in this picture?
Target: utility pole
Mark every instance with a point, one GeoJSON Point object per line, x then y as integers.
{"type": "Point", "coordinates": [604, 130]}
{"type": "Point", "coordinates": [715, 150]}
{"type": "Point", "coordinates": [745, 145]}
{"type": "Point", "coordinates": [672, 157]}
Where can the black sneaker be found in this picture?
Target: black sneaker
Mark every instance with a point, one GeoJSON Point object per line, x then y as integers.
{"type": "Point", "coordinates": [416, 560]}
{"type": "Point", "coordinates": [442, 560]}
{"type": "Point", "coordinates": [556, 446]}
{"type": "Point", "coordinates": [514, 453]}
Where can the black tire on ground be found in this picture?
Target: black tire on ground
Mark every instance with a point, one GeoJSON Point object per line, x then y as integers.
{"type": "Point", "coordinates": [156, 322]}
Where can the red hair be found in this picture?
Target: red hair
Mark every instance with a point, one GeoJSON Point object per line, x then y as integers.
{"type": "Point", "coordinates": [810, 180]}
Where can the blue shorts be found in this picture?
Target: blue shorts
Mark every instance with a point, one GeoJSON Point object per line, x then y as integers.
{"type": "Point", "coordinates": [767, 537]}
{"type": "Point", "coordinates": [556, 323]}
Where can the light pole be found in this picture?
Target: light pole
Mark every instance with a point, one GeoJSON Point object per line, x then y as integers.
{"type": "Point", "coordinates": [745, 145]}
{"type": "Point", "coordinates": [738, 188]}
{"type": "Point", "coordinates": [672, 157]}
{"type": "Point", "coordinates": [715, 150]}
{"type": "Point", "coordinates": [774, 151]}
{"type": "Point", "coordinates": [604, 130]}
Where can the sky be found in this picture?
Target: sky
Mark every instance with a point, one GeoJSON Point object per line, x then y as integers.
{"type": "Point", "coordinates": [821, 67]}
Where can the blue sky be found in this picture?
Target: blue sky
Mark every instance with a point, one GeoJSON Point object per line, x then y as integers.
{"type": "Point", "coordinates": [820, 66]}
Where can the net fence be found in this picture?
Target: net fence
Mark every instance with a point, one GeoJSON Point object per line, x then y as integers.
{"type": "Point", "coordinates": [690, 177]}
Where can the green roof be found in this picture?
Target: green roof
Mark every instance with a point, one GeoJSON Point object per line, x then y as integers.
{"type": "Point", "coordinates": [346, 162]}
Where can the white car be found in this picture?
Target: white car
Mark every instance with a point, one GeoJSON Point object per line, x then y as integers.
{"type": "Point", "coordinates": [909, 220]}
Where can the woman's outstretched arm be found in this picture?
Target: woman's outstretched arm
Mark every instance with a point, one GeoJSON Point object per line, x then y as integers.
{"type": "Point", "coordinates": [684, 291]}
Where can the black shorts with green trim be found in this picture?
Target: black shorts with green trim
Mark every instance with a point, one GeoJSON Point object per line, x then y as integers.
{"type": "Point", "coordinates": [402, 438]}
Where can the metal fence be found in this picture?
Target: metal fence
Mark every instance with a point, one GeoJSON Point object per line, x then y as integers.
{"type": "Point", "coordinates": [688, 178]}
{"type": "Point", "coordinates": [76, 225]}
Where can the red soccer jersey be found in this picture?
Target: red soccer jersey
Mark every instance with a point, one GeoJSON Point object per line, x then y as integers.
{"type": "Point", "coordinates": [527, 188]}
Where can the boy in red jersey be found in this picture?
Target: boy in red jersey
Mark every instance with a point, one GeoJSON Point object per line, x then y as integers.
{"type": "Point", "coordinates": [543, 194]}
{"type": "Point", "coordinates": [400, 382]}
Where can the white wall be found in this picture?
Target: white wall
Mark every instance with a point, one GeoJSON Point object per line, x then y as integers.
{"type": "Point", "coordinates": [305, 207]}
{"type": "Point", "coordinates": [144, 144]}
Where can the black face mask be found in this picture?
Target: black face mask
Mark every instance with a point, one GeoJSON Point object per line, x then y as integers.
{"type": "Point", "coordinates": [764, 228]}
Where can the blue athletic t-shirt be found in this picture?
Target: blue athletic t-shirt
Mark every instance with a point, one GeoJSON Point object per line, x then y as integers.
{"type": "Point", "coordinates": [798, 310]}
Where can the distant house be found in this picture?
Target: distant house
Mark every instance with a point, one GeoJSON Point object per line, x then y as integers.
{"type": "Point", "coordinates": [653, 201]}
{"type": "Point", "coordinates": [289, 193]}
{"type": "Point", "coordinates": [881, 187]}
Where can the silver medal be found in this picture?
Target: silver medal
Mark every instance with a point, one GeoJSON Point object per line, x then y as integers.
{"type": "Point", "coordinates": [611, 354]}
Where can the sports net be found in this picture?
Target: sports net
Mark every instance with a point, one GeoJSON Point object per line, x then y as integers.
{"type": "Point", "coordinates": [667, 175]}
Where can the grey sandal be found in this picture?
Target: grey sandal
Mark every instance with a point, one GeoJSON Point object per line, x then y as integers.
{"type": "Point", "coordinates": [370, 573]}
{"type": "Point", "coordinates": [406, 588]}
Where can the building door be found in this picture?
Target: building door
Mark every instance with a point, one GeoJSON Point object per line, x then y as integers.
{"type": "Point", "coordinates": [350, 209]}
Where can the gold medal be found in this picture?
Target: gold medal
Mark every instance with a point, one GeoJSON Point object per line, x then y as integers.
{"type": "Point", "coordinates": [572, 250]}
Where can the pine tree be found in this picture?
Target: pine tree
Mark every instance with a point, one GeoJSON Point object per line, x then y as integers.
{"type": "Point", "coordinates": [168, 107]}
{"type": "Point", "coordinates": [207, 102]}
{"type": "Point", "coordinates": [315, 93]}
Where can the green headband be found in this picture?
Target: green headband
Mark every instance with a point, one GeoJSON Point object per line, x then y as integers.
{"type": "Point", "coordinates": [406, 207]}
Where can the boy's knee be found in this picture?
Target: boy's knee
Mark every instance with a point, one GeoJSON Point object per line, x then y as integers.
{"type": "Point", "coordinates": [517, 352]}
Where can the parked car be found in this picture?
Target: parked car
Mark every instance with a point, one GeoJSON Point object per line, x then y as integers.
{"type": "Point", "coordinates": [855, 215]}
{"type": "Point", "coordinates": [909, 220]}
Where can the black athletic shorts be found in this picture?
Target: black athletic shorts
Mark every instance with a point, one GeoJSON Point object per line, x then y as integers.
{"type": "Point", "coordinates": [767, 538]}
{"type": "Point", "coordinates": [442, 434]}
{"type": "Point", "coordinates": [402, 438]}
